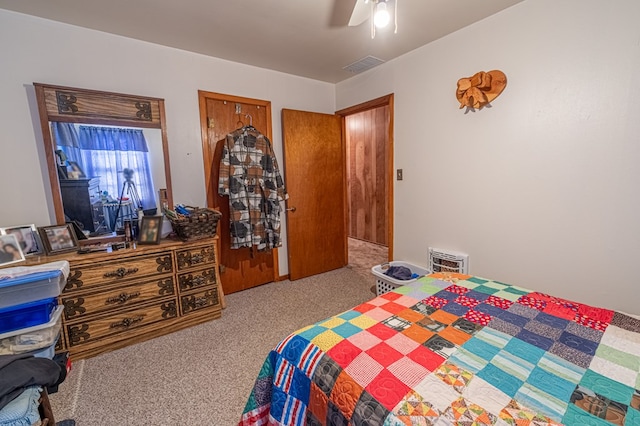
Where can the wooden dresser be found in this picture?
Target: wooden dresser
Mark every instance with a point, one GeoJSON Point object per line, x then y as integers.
{"type": "Point", "coordinates": [115, 299]}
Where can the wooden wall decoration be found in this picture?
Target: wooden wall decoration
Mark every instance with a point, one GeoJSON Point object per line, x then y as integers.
{"type": "Point", "coordinates": [480, 89]}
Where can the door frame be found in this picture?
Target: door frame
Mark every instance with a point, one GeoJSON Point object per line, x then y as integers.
{"type": "Point", "coordinates": [206, 146]}
{"type": "Point", "coordinates": [386, 100]}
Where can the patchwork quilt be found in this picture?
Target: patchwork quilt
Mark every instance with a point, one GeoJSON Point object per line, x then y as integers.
{"type": "Point", "coordinates": [453, 349]}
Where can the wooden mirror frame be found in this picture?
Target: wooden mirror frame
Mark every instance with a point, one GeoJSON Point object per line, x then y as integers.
{"type": "Point", "coordinates": [73, 105]}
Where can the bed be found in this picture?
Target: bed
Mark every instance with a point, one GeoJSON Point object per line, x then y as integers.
{"type": "Point", "coordinates": [455, 349]}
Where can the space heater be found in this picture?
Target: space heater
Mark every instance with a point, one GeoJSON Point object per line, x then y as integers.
{"type": "Point", "coordinates": [448, 261]}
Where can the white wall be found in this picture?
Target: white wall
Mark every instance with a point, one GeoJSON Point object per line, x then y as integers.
{"type": "Point", "coordinates": [38, 50]}
{"type": "Point", "coordinates": [543, 188]}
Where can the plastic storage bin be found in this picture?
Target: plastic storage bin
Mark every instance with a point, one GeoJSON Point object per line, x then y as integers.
{"type": "Point", "coordinates": [33, 338]}
{"type": "Point", "coordinates": [26, 284]}
{"type": "Point", "coordinates": [26, 315]}
{"type": "Point", "coordinates": [385, 283]}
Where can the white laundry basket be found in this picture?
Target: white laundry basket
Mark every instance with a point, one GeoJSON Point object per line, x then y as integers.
{"type": "Point", "coordinates": [385, 283]}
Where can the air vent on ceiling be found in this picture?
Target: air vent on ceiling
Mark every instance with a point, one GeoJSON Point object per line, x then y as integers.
{"type": "Point", "coordinates": [363, 64]}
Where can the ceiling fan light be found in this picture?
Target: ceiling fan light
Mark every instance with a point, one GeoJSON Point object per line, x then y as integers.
{"type": "Point", "coordinates": [381, 16]}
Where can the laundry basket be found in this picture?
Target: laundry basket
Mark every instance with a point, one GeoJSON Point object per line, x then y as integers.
{"type": "Point", "coordinates": [385, 283]}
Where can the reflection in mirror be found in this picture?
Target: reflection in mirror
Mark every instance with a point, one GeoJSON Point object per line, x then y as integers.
{"type": "Point", "coordinates": [107, 155]}
{"type": "Point", "coordinates": [120, 168]}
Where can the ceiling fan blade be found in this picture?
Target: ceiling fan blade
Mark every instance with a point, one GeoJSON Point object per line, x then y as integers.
{"type": "Point", "coordinates": [361, 12]}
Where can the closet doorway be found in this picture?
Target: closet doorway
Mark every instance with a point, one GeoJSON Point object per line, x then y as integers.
{"type": "Point", "coordinates": [368, 134]}
{"type": "Point", "coordinates": [220, 115]}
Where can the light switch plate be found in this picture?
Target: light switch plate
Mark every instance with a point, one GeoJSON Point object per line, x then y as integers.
{"type": "Point", "coordinates": [399, 174]}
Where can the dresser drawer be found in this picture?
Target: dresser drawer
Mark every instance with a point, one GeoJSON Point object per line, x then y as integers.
{"type": "Point", "coordinates": [92, 303]}
{"type": "Point", "coordinates": [87, 276]}
{"type": "Point", "coordinates": [195, 257]}
{"type": "Point", "coordinates": [196, 279]}
{"type": "Point", "coordinates": [124, 323]}
{"type": "Point", "coordinates": [199, 300]}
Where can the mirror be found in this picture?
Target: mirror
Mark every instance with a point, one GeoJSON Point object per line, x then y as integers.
{"type": "Point", "coordinates": [57, 104]}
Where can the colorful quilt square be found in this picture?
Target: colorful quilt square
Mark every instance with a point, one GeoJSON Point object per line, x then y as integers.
{"type": "Point", "coordinates": [410, 315]}
{"type": "Point", "coordinates": [515, 414]}
{"type": "Point", "coordinates": [454, 335]}
{"type": "Point", "coordinates": [417, 333]}
{"type": "Point", "coordinates": [317, 405]}
{"type": "Point", "coordinates": [406, 301]}
{"type": "Point", "coordinates": [606, 387]}
{"type": "Point", "coordinates": [488, 309]}
{"type": "Point", "coordinates": [599, 406]}
{"type": "Point", "coordinates": [535, 339]}
{"type": "Point", "coordinates": [456, 309]}
{"type": "Point", "coordinates": [335, 416]}
{"type": "Point", "coordinates": [621, 339]}
{"type": "Point", "coordinates": [349, 315]}
{"type": "Point", "coordinates": [500, 379]}
{"type": "Point", "coordinates": [423, 308]}
{"type": "Point", "coordinates": [476, 280]}
{"type": "Point", "coordinates": [402, 343]}
{"type": "Point", "coordinates": [397, 323]}
{"type": "Point", "coordinates": [436, 302]}
{"type": "Point", "coordinates": [439, 394]}
{"type": "Point", "coordinates": [513, 365]}
{"type": "Point", "coordinates": [590, 322]}
{"type": "Point", "coordinates": [311, 332]}
{"type": "Point", "coordinates": [552, 321]}
{"type": "Point", "coordinates": [393, 307]}
{"type": "Point", "coordinates": [477, 317]}
{"type": "Point", "coordinates": [481, 348]}
{"type": "Point", "coordinates": [466, 326]}
{"type": "Point", "coordinates": [498, 302]}
{"type": "Point", "coordinates": [363, 369]}
{"type": "Point", "coordinates": [504, 327]}
{"type": "Point", "coordinates": [364, 340]}
{"type": "Point", "coordinates": [626, 322]}
{"type": "Point", "coordinates": [532, 302]}
{"type": "Point", "coordinates": [432, 325]}
{"type": "Point", "coordinates": [561, 368]}
{"type": "Point", "coordinates": [584, 332]}
{"type": "Point", "coordinates": [477, 295]}
{"type": "Point", "coordinates": [387, 389]}
{"type": "Point", "coordinates": [391, 296]}
{"type": "Point", "coordinates": [346, 330]}
{"type": "Point", "coordinates": [440, 346]}
{"type": "Point", "coordinates": [486, 289]}
{"type": "Point", "coordinates": [363, 308]}
{"type": "Point", "coordinates": [426, 358]}
{"type": "Point", "coordinates": [345, 394]}
{"type": "Point", "coordinates": [446, 295]}
{"type": "Point", "coordinates": [344, 352]}
{"type": "Point", "coordinates": [454, 288]}
{"type": "Point", "coordinates": [614, 371]}
{"type": "Point", "coordinates": [326, 340]}
{"type": "Point", "coordinates": [412, 410]}
{"type": "Point", "coordinates": [577, 416]}
{"type": "Point", "coordinates": [463, 412]}
{"type": "Point", "coordinates": [553, 385]}
{"type": "Point", "coordinates": [523, 311]}
{"type": "Point", "coordinates": [363, 322]}
{"type": "Point", "coordinates": [454, 376]}
{"type": "Point", "coordinates": [486, 395]}
{"type": "Point", "coordinates": [378, 314]}
{"type": "Point", "coordinates": [618, 357]}
{"type": "Point", "coordinates": [512, 318]}
{"type": "Point", "coordinates": [541, 402]}
{"type": "Point", "coordinates": [332, 322]}
{"type": "Point", "coordinates": [443, 317]}
{"type": "Point", "coordinates": [542, 329]}
{"type": "Point", "coordinates": [408, 371]}
{"type": "Point", "coordinates": [384, 354]}
{"type": "Point", "coordinates": [578, 343]}
{"type": "Point", "coordinates": [369, 411]}
{"type": "Point", "coordinates": [325, 374]}
{"type": "Point", "coordinates": [577, 357]}
{"type": "Point", "coordinates": [468, 360]}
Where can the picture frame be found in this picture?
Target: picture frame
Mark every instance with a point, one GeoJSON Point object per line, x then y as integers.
{"type": "Point", "coordinates": [58, 238]}
{"type": "Point", "coordinates": [74, 171]}
{"type": "Point", "coordinates": [27, 236]}
{"type": "Point", "coordinates": [10, 251]}
{"type": "Point", "coordinates": [150, 230]}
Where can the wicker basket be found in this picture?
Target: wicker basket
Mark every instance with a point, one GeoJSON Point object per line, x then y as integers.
{"type": "Point", "coordinates": [201, 223]}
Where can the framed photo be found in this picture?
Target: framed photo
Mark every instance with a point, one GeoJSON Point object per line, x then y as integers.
{"type": "Point", "coordinates": [58, 238]}
{"type": "Point", "coordinates": [10, 251]}
{"type": "Point", "coordinates": [27, 236]}
{"type": "Point", "coordinates": [150, 230]}
{"type": "Point", "coordinates": [74, 171]}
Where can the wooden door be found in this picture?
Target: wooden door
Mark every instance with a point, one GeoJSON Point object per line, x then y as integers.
{"type": "Point", "coordinates": [220, 114]}
{"type": "Point", "coordinates": [366, 137]}
{"type": "Point", "coordinates": [314, 157]}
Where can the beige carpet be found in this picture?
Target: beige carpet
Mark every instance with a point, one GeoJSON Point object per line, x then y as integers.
{"type": "Point", "coordinates": [204, 374]}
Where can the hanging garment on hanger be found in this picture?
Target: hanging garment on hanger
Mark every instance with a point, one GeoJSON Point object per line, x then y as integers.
{"type": "Point", "coordinates": [249, 175]}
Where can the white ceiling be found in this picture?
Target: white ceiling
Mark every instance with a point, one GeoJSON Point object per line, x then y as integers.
{"type": "Point", "coordinates": [308, 38]}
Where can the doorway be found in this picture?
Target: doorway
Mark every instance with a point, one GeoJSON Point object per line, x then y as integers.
{"type": "Point", "coordinates": [220, 115]}
{"type": "Point", "coordinates": [368, 134]}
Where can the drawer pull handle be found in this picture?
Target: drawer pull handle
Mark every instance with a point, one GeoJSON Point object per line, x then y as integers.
{"type": "Point", "coordinates": [122, 298]}
{"type": "Point", "coordinates": [120, 273]}
{"type": "Point", "coordinates": [127, 322]}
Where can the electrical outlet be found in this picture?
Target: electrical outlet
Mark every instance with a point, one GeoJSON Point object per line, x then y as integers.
{"type": "Point", "coordinates": [399, 174]}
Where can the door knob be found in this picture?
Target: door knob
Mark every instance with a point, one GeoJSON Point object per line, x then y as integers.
{"type": "Point", "coordinates": [291, 209]}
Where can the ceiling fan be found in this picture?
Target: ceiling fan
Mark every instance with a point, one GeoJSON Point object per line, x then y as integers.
{"type": "Point", "coordinates": [379, 13]}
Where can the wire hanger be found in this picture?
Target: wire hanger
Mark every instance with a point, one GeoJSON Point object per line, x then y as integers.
{"type": "Point", "coordinates": [250, 119]}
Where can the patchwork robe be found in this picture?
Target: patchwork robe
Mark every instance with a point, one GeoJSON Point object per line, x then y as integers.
{"type": "Point", "coordinates": [249, 175]}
